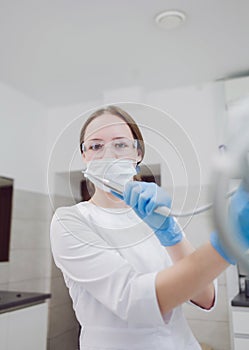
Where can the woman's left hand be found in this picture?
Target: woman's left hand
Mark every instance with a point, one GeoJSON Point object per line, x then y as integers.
{"type": "Point", "coordinates": [239, 220]}
{"type": "Point", "coordinates": [239, 215]}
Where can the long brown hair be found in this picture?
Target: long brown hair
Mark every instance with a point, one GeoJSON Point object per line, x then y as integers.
{"type": "Point", "coordinates": [117, 111]}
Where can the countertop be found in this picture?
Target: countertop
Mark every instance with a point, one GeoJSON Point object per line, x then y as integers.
{"type": "Point", "coordinates": [240, 300]}
{"type": "Point", "coordinates": [16, 300]}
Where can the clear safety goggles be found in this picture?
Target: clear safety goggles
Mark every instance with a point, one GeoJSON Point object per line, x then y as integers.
{"type": "Point", "coordinates": [119, 146]}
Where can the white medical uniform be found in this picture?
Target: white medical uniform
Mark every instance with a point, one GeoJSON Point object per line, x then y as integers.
{"type": "Point", "coordinates": [109, 259]}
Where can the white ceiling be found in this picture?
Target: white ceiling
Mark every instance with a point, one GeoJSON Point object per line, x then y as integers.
{"type": "Point", "coordinates": [67, 51]}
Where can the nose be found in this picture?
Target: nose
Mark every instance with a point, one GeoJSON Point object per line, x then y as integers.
{"type": "Point", "coordinates": [109, 151]}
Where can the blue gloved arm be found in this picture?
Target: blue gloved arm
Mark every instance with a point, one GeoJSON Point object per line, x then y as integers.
{"type": "Point", "coordinates": [218, 246]}
{"type": "Point", "coordinates": [144, 197]}
{"type": "Point", "coordinates": [239, 215]}
{"type": "Point", "coordinates": [239, 211]}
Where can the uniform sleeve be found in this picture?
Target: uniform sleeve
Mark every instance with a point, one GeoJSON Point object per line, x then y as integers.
{"type": "Point", "coordinates": [88, 260]}
{"type": "Point", "coordinates": [215, 299]}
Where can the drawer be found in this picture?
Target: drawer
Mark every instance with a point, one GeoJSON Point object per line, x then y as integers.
{"type": "Point", "coordinates": [241, 322]}
{"type": "Point", "coordinates": [241, 344]}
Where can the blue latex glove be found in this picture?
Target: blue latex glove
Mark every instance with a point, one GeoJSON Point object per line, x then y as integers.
{"type": "Point", "coordinates": [218, 246]}
{"type": "Point", "coordinates": [239, 214]}
{"type": "Point", "coordinates": [239, 210]}
{"type": "Point", "coordinates": [144, 197]}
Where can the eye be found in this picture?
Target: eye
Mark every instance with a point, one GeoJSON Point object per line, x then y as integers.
{"type": "Point", "coordinates": [96, 146]}
{"type": "Point", "coordinates": [121, 144]}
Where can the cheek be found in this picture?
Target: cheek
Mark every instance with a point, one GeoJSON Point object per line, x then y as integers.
{"type": "Point", "coordinates": [90, 156]}
{"type": "Point", "coordinates": [84, 158]}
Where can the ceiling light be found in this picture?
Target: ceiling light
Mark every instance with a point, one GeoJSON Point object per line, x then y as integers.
{"type": "Point", "coordinates": [170, 19]}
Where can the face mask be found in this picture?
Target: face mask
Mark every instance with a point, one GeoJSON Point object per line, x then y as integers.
{"type": "Point", "coordinates": [119, 171]}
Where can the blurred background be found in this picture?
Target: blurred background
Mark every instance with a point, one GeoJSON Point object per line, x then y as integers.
{"type": "Point", "coordinates": [175, 66]}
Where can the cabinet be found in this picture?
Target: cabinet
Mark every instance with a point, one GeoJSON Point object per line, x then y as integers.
{"type": "Point", "coordinates": [24, 328]}
{"type": "Point", "coordinates": [240, 321]}
{"type": "Point", "coordinates": [3, 331]}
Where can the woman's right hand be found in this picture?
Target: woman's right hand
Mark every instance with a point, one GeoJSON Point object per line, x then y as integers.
{"type": "Point", "coordinates": [144, 198]}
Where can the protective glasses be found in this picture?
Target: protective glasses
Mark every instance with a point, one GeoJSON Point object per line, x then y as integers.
{"type": "Point", "coordinates": [120, 147]}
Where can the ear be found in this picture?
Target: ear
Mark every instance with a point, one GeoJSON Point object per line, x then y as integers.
{"type": "Point", "coordinates": [139, 155]}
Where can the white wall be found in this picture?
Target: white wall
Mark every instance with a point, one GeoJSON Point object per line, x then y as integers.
{"type": "Point", "coordinates": [64, 125]}
{"type": "Point", "coordinates": [198, 109]}
{"type": "Point", "coordinates": [23, 140]}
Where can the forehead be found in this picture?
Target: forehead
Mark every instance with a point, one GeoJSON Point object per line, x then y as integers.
{"type": "Point", "coordinates": [107, 126]}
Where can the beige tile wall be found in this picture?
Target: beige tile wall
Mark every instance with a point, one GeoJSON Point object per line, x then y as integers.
{"type": "Point", "coordinates": [63, 326]}
{"type": "Point", "coordinates": [31, 266]}
{"type": "Point", "coordinates": [30, 259]}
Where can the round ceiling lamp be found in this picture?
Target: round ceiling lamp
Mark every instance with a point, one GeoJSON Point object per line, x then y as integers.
{"type": "Point", "coordinates": [170, 19]}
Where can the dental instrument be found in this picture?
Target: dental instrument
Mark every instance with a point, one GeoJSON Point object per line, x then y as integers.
{"type": "Point", "coordinates": [117, 188]}
{"type": "Point", "coordinates": [114, 186]}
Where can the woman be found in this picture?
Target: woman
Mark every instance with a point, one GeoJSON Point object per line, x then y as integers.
{"type": "Point", "coordinates": [126, 287]}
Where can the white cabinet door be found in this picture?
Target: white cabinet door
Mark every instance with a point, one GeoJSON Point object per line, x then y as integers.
{"type": "Point", "coordinates": [3, 331]}
{"type": "Point", "coordinates": [241, 344]}
{"type": "Point", "coordinates": [27, 328]}
{"type": "Point", "coordinates": [241, 322]}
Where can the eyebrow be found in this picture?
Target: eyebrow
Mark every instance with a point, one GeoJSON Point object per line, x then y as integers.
{"type": "Point", "coordinates": [95, 139]}
{"type": "Point", "coordinates": [114, 138]}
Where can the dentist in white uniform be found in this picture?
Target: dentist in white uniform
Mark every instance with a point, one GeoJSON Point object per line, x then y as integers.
{"type": "Point", "coordinates": [127, 269]}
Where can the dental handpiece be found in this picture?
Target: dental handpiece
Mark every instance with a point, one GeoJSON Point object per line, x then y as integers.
{"type": "Point", "coordinates": [163, 210]}
{"type": "Point", "coordinates": [112, 185]}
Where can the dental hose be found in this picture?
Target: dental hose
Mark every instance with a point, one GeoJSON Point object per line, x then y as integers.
{"type": "Point", "coordinates": [200, 209]}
